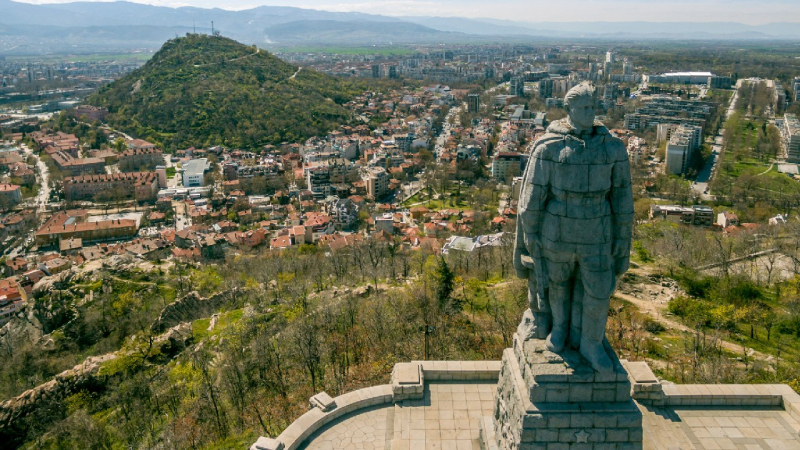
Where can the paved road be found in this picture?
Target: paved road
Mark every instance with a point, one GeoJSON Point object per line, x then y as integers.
{"type": "Point", "coordinates": [455, 113]}
{"type": "Point", "coordinates": [659, 312]}
{"type": "Point", "coordinates": [710, 169]}
{"type": "Point", "coordinates": [41, 199]}
{"type": "Point", "coordinates": [182, 219]}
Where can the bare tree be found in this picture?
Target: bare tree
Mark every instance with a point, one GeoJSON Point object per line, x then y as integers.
{"type": "Point", "coordinates": [202, 361]}
{"type": "Point", "coordinates": [308, 343]}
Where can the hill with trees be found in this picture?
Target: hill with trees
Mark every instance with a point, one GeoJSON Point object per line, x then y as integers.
{"type": "Point", "coordinates": [204, 90]}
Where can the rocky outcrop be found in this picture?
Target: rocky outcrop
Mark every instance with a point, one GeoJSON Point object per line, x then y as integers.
{"type": "Point", "coordinates": [59, 282]}
{"type": "Point", "coordinates": [191, 307]}
{"type": "Point", "coordinates": [175, 339]}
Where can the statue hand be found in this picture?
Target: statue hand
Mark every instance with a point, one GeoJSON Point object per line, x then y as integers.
{"type": "Point", "coordinates": [621, 253]}
{"type": "Point", "coordinates": [621, 248]}
{"type": "Point", "coordinates": [621, 265]}
{"type": "Point", "coordinates": [522, 270]}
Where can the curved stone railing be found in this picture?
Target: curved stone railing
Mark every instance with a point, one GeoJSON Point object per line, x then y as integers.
{"type": "Point", "coordinates": [408, 380]}
{"type": "Point", "coordinates": [293, 436]}
{"type": "Point", "coordinates": [648, 390]}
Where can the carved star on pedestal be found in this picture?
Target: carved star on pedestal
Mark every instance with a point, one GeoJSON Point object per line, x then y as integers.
{"type": "Point", "coordinates": [582, 437]}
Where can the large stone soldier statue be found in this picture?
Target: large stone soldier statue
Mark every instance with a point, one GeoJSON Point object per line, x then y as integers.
{"type": "Point", "coordinates": [574, 230]}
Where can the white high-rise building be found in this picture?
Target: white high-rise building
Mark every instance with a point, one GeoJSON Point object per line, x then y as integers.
{"type": "Point", "coordinates": [610, 57]}
{"type": "Point", "coordinates": [790, 132]}
{"type": "Point", "coordinates": [627, 68]}
{"type": "Point", "coordinates": [682, 143]}
{"type": "Point", "coordinates": [796, 89]}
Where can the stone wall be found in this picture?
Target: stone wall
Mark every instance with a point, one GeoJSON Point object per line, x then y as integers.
{"type": "Point", "coordinates": [190, 307]}
{"type": "Point", "coordinates": [82, 376]}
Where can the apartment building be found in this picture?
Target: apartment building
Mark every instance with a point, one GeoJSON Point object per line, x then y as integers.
{"type": "Point", "coordinates": [507, 164]}
{"type": "Point", "coordinates": [796, 89]}
{"type": "Point", "coordinates": [681, 146]}
{"type": "Point", "coordinates": [75, 224]}
{"type": "Point", "coordinates": [320, 176]}
{"type": "Point", "coordinates": [637, 121]}
{"type": "Point", "coordinates": [473, 103]}
{"type": "Point", "coordinates": [790, 134]}
{"type": "Point", "coordinates": [718, 82]}
{"type": "Point", "coordinates": [78, 166]}
{"type": "Point", "coordinates": [669, 110]}
{"type": "Point", "coordinates": [137, 157]}
{"type": "Point", "coordinates": [142, 186]}
{"type": "Point", "coordinates": [376, 181]}
{"type": "Point", "coordinates": [10, 195]}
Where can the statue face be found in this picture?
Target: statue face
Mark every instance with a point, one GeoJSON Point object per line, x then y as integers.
{"type": "Point", "coordinates": [582, 112]}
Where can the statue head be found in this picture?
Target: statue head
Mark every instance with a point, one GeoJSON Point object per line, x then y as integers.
{"type": "Point", "coordinates": [580, 103]}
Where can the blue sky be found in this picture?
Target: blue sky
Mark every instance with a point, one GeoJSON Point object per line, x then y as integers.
{"type": "Point", "coordinates": [744, 11]}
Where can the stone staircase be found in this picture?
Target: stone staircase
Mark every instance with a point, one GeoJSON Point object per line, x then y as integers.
{"type": "Point", "coordinates": [397, 431]}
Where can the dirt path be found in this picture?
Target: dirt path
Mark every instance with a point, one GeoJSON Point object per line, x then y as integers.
{"type": "Point", "coordinates": [657, 311]}
{"type": "Point", "coordinates": [295, 74]}
{"type": "Point", "coordinates": [766, 171]}
{"type": "Point", "coordinates": [258, 50]}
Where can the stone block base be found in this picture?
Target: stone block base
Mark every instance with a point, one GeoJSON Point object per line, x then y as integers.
{"type": "Point", "coordinates": [548, 401]}
{"type": "Point", "coordinates": [408, 382]}
{"type": "Point", "coordinates": [647, 390]}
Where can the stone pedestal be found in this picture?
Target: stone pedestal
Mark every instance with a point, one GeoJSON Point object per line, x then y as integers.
{"type": "Point", "coordinates": [408, 382]}
{"type": "Point", "coordinates": [549, 401]}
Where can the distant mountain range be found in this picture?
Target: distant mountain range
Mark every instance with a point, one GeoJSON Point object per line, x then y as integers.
{"type": "Point", "coordinates": [97, 26]}
{"type": "Point", "coordinates": [355, 32]}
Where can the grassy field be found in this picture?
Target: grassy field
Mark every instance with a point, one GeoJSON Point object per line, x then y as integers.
{"type": "Point", "coordinates": [434, 204]}
{"type": "Point", "coordinates": [448, 201]}
{"type": "Point", "coordinates": [754, 167]}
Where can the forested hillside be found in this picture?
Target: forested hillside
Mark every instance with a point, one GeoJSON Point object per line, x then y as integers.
{"type": "Point", "coordinates": [204, 90]}
{"type": "Point", "coordinates": [174, 370]}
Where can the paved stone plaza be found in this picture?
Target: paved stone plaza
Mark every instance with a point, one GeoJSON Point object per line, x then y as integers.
{"type": "Point", "coordinates": [364, 429]}
{"type": "Point", "coordinates": [704, 428]}
{"type": "Point", "coordinates": [447, 419]}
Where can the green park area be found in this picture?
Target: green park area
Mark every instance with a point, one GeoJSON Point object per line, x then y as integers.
{"type": "Point", "coordinates": [455, 197]}
{"type": "Point", "coordinates": [748, 179]}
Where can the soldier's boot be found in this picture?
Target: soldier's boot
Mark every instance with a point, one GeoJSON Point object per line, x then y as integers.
{"type": "Point", "coordinates": [559, 306]}
{"type": "Point", "coordinates": [593, 332]}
